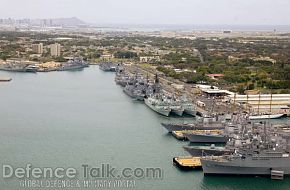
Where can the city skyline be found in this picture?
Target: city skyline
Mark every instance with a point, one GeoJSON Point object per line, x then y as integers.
{"type": "Point", "coordinates": [182, 12]}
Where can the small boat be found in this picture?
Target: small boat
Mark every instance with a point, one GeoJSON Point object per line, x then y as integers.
{"type": "Point", "coordinates": [265, 116]}
{"type": "Point", "coordinates": [158, 105]}
{"type": "Point", "coordinates": [5, 79]}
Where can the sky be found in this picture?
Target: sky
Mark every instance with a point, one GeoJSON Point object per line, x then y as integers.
{"type": "Point", "coordinates": [180, 12]}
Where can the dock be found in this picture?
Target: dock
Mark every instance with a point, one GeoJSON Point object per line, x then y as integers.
{"type": "Point", "coordinates": [169, 85]}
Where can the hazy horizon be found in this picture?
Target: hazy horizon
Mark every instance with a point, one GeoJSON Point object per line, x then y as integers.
{"type": "Point", "coordinates": [154, 12]}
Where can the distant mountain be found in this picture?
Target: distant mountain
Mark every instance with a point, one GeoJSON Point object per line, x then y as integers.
{"type": "Point", "coordinates": [73, 21]}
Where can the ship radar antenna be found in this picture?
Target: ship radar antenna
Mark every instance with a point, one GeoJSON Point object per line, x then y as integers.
{"type": "Point", "coordinates": [156, 78]}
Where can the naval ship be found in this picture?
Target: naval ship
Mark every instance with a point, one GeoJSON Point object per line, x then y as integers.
{"type": "Point", "coordinates": [139, 87]}
{"type": "Point", "coordinates": [207, 138]}
{"type": "Point", "coordinates": [207, 150]}
{"type": "Point", "coordinates": [188, 106]}
{"type": "Point", "coordinates": [192, 126]}
{"type": "Point", "coordinates": [157, 104]}
{"type": "Point", "coordinates": [18, 67]}
{"type": "Point", "coordinates": [74, 64]}
{"type": "Point", "coordinates": [108, 66]}
{"type": "Point", "coordinates": [208, 122]}
{"type": "Point", "coordinates": [258, 152]}
{"type": "Point", "coordinates": [175, 105]}
{"type": "Point", "coordinates": [136, 90]}
{"type": "Point", "coordinates": [122, 78]}
{"type": "Point", "coordinates": [218, 137]}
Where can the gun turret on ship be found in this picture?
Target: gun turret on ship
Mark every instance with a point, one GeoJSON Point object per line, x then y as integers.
{"type": "Point", "coordinates": [260, 151]}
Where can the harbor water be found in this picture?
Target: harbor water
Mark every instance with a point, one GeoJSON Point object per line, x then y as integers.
{"type": "Point", "coordinates": [67, 119]}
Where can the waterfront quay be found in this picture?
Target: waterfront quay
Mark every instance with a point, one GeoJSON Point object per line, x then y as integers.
{"type": "Point", "coordinates": [212, 100]}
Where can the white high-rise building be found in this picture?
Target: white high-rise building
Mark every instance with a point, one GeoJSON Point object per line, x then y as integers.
{"type": "Point", "coordinates": [55, 50]}
{"type": "Point", "coordinates": [37, 48]}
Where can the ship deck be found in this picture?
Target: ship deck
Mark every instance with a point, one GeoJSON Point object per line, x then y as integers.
{"type": "Point", "coordinates": [181, 135]}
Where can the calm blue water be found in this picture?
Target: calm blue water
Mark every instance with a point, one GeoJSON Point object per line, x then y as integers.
{"type": "Point", "coordinates": [72, 118]}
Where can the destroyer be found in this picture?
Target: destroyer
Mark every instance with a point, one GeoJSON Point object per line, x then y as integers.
{"type": "Point", "coordinates": [260, 152]}
{"type": "Point", "coordinates": [74, 64]}
{"type": "Point", "coordinates": [18, 67]}
{"type": "Point", "coordinates": [203, 123]}
{"type": "Point", "coordinates": [156, 103]}
{"type": "Point", "coordinates": [108, 66]}
{"type": "Point", "coordinates": [136, 90]}
{"type": "Point", "coordinates": [187, 106]}
{"type": "Point", "coordinates": [175, 105]}
{"type": "Point", "coordinates": [207, 150]}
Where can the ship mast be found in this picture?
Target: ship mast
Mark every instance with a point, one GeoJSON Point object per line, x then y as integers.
{"type": "Point", "coordinates": [271, 102]}
{"type": "Point", "coordinates": [248, 107]}
{"type": "Point", "coordinates": [234, 104]}
{"type": "Point", "coordinates": [271, 97]}
{"type": "Point", "coordinates": [259, 102]}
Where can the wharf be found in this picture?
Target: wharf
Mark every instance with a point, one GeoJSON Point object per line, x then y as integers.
{"type": "Point", "coordinates": [168, 85]}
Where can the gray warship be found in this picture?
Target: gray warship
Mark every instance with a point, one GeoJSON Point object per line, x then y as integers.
{"type": "Point", "coordinates": [175, 105]}
{"type": "Point", "coordinates": [18, 67]}
{"type": "Point", "coordinates": [209, 122]}
{"type": "Point", "coordinates": [122, 78]}
{"type": "Point", "coordinates": [74, 64]}
{"type": "Point", "coordinates": [157, 104]}
{"type": "Point", "coordinates": [108, 66]}
{"type": "Point", "coordinates": [231, 128]}
{"type": "Point", "coordinates": [136, 90]}
{"type": "Point", "coordinates": [207, 138]}
{"type": "Point", "coordinates": [139, 87]}
{"type": "Point", "coordinates": [260, 151]}
{"type": "Point", "coordinates": [188, 107]}
{"type": "Point", "coordinates": [207, 150]}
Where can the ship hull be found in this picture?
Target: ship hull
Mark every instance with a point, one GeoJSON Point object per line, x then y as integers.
{"type": "Point", "coordinates": [121, 83]}
{"type": "Point", "coordinates": [246, 167]}
{"type": "Point", "coordinates": [176, 127]}
{"type": "Point", "coordinates": [72, 68]}
{"type": "Point", "coordinates": [129, 93]}
{"type": "Point", "coordinates": [177, 112]}
{"type": "Point", "coordinates": [181, 127]}
{"type": "Point", "coordinates": [135, 97]}
{"type": "Point", "coordinates": [197, 138]}
{"type": "Point", "coordinates": [19, 70]}
{"type": "Point", "coordinates": [199, 151]}
{"type": "Point", "coordinates": [190, 112]}
{"type": "Point", "coordinates": [5, 79]}
{"type": "Point", "coordinates": [162, 112]}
